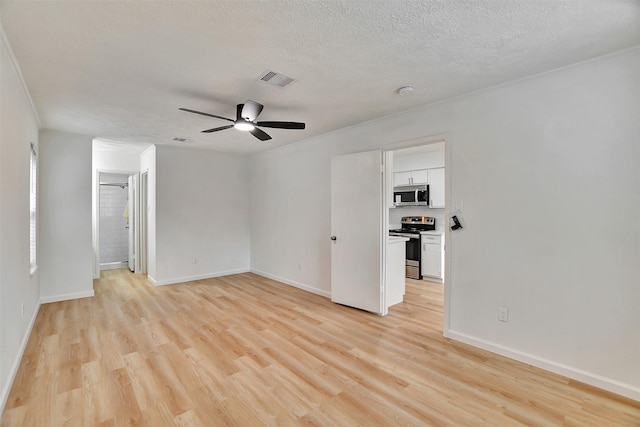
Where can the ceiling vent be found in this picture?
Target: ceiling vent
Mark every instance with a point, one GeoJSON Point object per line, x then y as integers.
{"type": "Point", "coordinates": [176, 139]}
{"type": "Point", "coordinates": [276, 79]}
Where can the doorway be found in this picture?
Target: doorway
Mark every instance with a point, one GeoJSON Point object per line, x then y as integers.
{"type": "Point", "coordinates": [114, 220]}
{"type": "Point", "coordinates": [425, 159]}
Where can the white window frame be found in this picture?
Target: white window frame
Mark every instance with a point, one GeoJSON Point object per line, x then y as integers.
{"type": "Point", "coordinates": [33, 211]}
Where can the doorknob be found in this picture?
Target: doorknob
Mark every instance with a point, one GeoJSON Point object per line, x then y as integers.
{"type": "Point", "coordinates": [334, 238]}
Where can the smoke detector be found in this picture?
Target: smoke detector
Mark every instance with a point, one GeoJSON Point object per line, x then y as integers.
{"type": "Point", "coordinates": [405, 90]}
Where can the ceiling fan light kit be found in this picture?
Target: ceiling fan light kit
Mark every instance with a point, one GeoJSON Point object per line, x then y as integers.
{"type": "Point", "coordinates": [246, 115]}
{"type": "Point", "coordinates": [245, 126]}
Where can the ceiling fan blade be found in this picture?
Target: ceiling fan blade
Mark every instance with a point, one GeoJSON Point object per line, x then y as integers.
{"type": "Point", "coordinates": [282, 125]}
{"type": "Point", "coordinates": [204, 114]}
{"type": "Point", "coordinates": [217, 129]}
{"type": "Point", "coordinates": [260, 134]}
{"type": "Point", "coordinates": [251, 110]}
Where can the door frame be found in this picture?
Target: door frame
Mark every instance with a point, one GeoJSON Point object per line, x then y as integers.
{"type": "Point", "coordinates": [142, 216]}
{"type": "Point", "coordinates": [96, 215]}
{"type": "Point", "coordinates": [133, 220]}
{"type": "Point", "coordinates": [426, 140]}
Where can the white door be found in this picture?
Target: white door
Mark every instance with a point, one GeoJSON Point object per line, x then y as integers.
{"type": "Point", "coordinates": [357, 244]}
{"type": "Point", "coordinates": [131, 218]}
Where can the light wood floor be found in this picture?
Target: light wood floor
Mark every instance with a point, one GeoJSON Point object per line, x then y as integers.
{"type": "Point", "coordinates": [247, 351]}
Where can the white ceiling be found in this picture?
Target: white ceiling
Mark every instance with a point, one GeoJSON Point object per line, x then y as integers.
{"type": "Point", "coordinates": [119, 70]}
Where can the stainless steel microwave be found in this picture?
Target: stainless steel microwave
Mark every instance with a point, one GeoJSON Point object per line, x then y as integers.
{"type": "Point", "coordinates": [411, 195]}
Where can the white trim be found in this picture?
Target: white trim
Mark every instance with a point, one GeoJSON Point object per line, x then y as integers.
{"type": "Point", "coordinates": [448, 208]}
{"type": "Point", "coordinates": [617, 387]}
{"type": "Point", "coordinates": [66, 297]}
{"type": "Point", "coordinates": [418, 142]}
{"type": "Point", "coordinates": [16, 362]}
{"type": "Point", "coordinates": [177, 280]}
{"type": "Point", "coordinates": [149, 148]}
{"type": "Point", "coordinates": [16, 67]}
{"type": "Point", "coordinates": [311, 289]}
{"type": "Point", "coordinates": [113, 265]}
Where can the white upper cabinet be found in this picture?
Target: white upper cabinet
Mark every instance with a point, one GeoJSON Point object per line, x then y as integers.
{"type": "Point", "coordinates": [402, 178]}
{"type": "Point", "coordinates": [420, 176]}
{"type": "Point", "coordinates": [414, 177]}
{"type": "Point", "coordinates": [436, 188]}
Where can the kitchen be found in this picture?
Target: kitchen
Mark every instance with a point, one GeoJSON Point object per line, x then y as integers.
{"type": "Point", "coordinates": [417, 209]}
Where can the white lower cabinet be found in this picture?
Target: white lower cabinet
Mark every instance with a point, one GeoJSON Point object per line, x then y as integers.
{"type": "Point", "coordinates": [432, 259]}
{"type": "Point", "coordinates": [395, 284]}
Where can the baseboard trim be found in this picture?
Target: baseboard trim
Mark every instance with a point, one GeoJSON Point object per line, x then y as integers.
{"type": "Point", "coordinates": [293, 283]}
{"type": "Point", "coordinates": [113, 265]}
{"type": "Point", "coordinates": [16, 362]}
{"type": "Point", "coordinates": [66, 297]}
{"type": "Point", "coordinates": [177, 280]}
{"type": "Point", "coordinates": [595, 380]}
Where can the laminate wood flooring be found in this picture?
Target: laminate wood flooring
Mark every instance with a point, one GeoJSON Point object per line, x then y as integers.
{"type": "Point", "coordinates": [244, 350]}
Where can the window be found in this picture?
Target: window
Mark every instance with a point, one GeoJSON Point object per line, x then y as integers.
{"type": "Point", "coordinates": [33, 165]}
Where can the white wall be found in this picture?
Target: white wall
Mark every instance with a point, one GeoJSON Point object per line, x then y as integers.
{"type": "Point", "coordinates": [18, 288]}
{"type": "Point", "coordinates": [115, 156]}
{"type": "Point", "coordinates": [426, 160]}
{"type": "Point", "coordinates": [66, 251]}
{"type": "Point", "coordinates": [548, 171]}
{"type": "Point", "coordinates": [202, 213]}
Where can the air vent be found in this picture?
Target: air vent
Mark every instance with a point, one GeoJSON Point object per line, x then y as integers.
{"type": "Point", "coordinates": [176, 139]}
{"type": "Point", "coordinates": [276, 79]}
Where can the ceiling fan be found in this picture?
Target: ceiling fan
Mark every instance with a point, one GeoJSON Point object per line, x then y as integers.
{"type": "Point", "coordinates": [246, 115]}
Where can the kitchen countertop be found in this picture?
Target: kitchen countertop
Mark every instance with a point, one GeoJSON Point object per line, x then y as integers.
{"type": "Point", "coordinates": [397, 239]}
{"type": "Point", "coordinates": [433, 232]}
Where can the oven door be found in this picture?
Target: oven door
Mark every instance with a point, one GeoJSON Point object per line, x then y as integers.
{"type": "Point", "coordinates": [413, 249]}
{"type": "Point", "coordinates": [412, 264]}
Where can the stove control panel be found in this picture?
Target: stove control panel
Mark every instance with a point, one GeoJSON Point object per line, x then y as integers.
{"type": "Point", "coordinates": [418, 220]}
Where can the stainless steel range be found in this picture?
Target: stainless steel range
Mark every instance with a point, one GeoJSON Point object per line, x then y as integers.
{"type": "Point", "coordinates": [411, 228]}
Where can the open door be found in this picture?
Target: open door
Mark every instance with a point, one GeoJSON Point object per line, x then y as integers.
{"type": "Point", "coordinates": [357, 227]}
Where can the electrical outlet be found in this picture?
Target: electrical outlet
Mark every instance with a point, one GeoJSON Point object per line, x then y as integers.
{"type": "Point", "coordinates": [195, 260]}
{"type": "Point", "coordinates": [299, 267]}
{"type": "Point", "coordinates": [503, 314]}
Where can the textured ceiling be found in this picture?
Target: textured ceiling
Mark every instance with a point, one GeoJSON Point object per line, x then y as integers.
{"type": "Point", "coordinates": [119, 70]}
